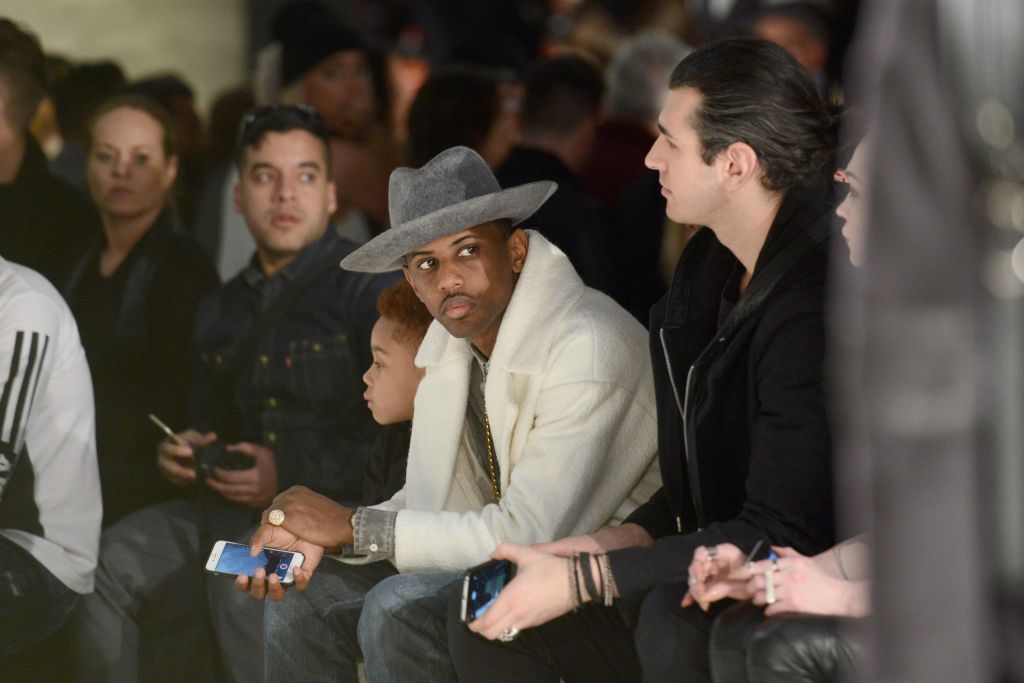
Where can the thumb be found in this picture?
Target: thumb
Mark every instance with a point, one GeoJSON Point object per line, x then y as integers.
{"type": "Point", "coordinates": [510, 552]}
{"type": "Point", "coordinates": [785, 552]}
{"type": "Point", "coordinates": [261, 538]}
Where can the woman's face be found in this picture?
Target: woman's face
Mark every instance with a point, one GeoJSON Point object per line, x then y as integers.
{"type": "Point", "coordinates": [128, 171]}
{"type": "Point", "coordinates": [854, 208]}
{"type": "Point", "coordinates": [340, 88]}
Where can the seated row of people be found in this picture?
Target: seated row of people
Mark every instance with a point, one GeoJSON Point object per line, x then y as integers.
{"type": "Point", "coordinates": [542, 411]}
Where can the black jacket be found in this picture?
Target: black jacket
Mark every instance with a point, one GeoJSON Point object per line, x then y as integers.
{"type": "Point", "coordinates": [45, 223]}
{"type": "Point", "coordinates": [748, 376]}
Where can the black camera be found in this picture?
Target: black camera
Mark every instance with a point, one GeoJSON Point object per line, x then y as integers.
{"type": "Point", "coordinates": [215, 455]}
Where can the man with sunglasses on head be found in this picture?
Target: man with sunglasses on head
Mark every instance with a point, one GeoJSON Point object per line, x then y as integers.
{"type": "Point", "coordinates": [277, 402]}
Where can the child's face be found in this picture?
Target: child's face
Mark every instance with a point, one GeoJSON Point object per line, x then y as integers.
{"type": "Point", "coordinates": [392, 379]}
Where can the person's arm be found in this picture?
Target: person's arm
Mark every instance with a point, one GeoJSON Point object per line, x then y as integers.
{"type": "Point", "coordinates": [589, 446]}
{"type": "Point", "coordinates": [29, 332]}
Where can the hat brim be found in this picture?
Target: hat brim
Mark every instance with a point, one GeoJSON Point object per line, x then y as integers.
{"type": "Point", "coordinates": [384, 252]}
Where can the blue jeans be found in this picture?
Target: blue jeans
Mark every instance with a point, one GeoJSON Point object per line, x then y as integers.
{"type": "Point", "coordinates": [394, 622]}
{"type": "Point", "coordinates": [33, 602]}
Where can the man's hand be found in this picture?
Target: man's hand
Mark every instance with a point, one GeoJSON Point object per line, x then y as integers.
{"type": "Point", "coordinates": [712, 579]}
{"type": "Point", "coordinates": [259, 586]}
{"type": "Point", "coordinates": [254, 487]}
{"type": "Point", "coordinates": [601, 543]}
{"type": "Point", "coordinates": [314, 518]}
{"type": "Point", "coordinates": [540, 592]}
{"type": "Point", "coordinates": [178, 463]}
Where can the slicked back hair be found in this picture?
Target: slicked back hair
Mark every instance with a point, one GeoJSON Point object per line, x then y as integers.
{"type": "Point", "coordinates": [754, 92]}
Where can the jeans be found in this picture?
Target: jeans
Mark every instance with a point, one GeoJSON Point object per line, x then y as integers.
{"type": "Point", "coordinates": [155, 615]}
{"type": "Point", "coordinates": [394, 622]}
{"type": "Point", "coordinates": [33, 602]}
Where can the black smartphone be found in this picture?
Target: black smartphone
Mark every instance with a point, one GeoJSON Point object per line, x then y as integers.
{"type": "Point", "coordinates": [481, 587]}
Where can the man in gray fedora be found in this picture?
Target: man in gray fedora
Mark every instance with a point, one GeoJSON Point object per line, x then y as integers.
{"type": "Point", "coordinates": [535, 420]}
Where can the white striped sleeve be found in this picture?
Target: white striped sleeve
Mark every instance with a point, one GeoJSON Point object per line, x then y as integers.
{"type": "Point", "coordinates": [23, 355]}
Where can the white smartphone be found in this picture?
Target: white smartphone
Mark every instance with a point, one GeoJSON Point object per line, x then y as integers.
{"type": "Point", "coordinates": [232, 559]}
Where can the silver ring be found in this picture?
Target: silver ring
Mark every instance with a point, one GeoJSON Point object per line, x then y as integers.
{"type": "Point", "coordinates": [692, 580]}
{"type": "Point", "coordinates": [769, 588]}
{"type": "Point", "coordinates": [276, 517]}
{"type": "Point", "coordinates": [712, 551]}
{"type": "Point", "coordinates": [775, 564]}
{"type": "Point", "coordinates": [509, 634]}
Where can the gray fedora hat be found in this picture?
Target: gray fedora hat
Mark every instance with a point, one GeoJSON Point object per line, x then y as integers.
{"type": "Point", "coordinates": [453, 191]}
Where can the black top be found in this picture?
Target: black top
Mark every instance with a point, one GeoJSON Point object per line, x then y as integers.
{"type": "Point", "coordinates": [756, 417]}
{"type": "Point", "coordinates": [385, 473]}
{"type": "Point", "coordinates": [45, 223]}
{"type": "Point", "coordinates": [136, 327]}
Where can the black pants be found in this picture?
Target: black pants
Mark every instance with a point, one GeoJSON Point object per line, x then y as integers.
{"type": "Point", "coordinates": [669, 643]}
{"type": "Point", "coordinates": [747, 646]}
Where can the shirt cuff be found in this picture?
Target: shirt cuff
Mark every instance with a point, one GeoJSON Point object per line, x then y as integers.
{"type": "Point", "coordinates": [374, 533]}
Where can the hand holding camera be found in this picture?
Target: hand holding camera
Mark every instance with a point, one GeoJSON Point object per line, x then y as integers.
{"type": "Point", "coordinates": [243, 472]}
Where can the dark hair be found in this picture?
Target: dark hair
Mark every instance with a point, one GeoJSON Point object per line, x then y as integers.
{"type": "Point", "coordinates": [147, 106]}
{"type": "Point", "coordinates": [400, 304]}
{"type": "Point", "coordinates": [280, 118]}
{"type": "Point", "coordinates": [754, 92]}
{"type": "Point", "coordinates": [80, 92]}
{"type": "Point", "coordinates": [23, 80]}
{"type": "Point", "coordinates": [560, 94]}
{"type": "Point", "coordinates": [456, 106]}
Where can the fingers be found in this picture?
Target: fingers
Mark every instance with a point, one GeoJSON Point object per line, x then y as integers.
{"type": "Point", "coordinates": [786, 552]}
{"type": "Point", "coordinates": [260, 538]}
{"type": "Point", "coordinates": [509, 551]}
{"type": "Point", "coordinates": [258, 584]}
{"type": "Point", "coordinates": [302, 578]}
{"type": "Point", "coordinates": [242, 583]}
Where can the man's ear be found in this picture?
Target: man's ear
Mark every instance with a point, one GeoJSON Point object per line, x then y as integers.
{"type": "Point", "coordinates": [408, 278]}
{"type": "Point", "coordinates": [518, 245]}
{"type": "Point", "coordinates": [738, 163]}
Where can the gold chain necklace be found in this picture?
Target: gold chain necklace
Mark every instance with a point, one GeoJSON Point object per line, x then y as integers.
{"type": "Point", "coordinates": [490, 456]}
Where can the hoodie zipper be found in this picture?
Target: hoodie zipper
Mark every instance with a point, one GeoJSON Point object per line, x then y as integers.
{"type": "Point", "coordinates": [682, 413]}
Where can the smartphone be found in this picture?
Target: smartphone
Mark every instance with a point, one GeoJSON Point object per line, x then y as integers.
{"type": "Point", "coordinates": [232, 559]}
{"type": "Point", "coordinates": [481, 587]}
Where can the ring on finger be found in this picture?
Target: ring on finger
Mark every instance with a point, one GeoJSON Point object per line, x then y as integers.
{"type": "Point", "coordinates": [509, 634]}
{"type": "Point", "coordinates": [769, 588]}
{"type": "Point", "coordinates": [712, 551]}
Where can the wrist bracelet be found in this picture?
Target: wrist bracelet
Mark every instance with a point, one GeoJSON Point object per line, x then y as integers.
{"type": "Point", "coordinates": [588, 576]}
{"type": "Point", "coordinates": [605, 565]}
{"type": "Point", "coordinates": [573, 563]}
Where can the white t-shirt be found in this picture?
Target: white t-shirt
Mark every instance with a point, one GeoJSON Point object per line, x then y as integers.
{"type": "Point", "coordinates": [49, 482]}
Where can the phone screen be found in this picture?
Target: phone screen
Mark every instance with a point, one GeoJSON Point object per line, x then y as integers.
{"type": "Point", "coordinates": [483, 585]}
{"type": "Point", "coordinates": [236, 560]}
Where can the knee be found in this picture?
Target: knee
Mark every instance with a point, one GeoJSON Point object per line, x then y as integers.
{"type": "Point", "coordinates": [284, 617]}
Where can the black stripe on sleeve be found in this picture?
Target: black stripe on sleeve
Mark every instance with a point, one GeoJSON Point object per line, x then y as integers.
{"type": "Point", "coordinates": [26, 382]}
{"type": "Point", "coordinates": [19, 339]}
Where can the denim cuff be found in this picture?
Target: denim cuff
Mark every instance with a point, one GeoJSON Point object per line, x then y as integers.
{"type": "Point", "coordinates": [374, 532]}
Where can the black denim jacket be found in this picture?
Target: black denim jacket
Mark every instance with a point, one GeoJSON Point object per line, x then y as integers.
{"type": "Point", "coordinates": [301, 396]}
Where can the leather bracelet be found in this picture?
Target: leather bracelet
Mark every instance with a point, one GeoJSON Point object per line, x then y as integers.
{"type": "Point", "coordinates": [573, 563]}
{"type": "Point", "coordinates": [588, 576]}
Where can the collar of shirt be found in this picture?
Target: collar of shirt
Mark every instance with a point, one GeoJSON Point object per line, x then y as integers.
{"type": "Point", "coordinates": [253, 273]}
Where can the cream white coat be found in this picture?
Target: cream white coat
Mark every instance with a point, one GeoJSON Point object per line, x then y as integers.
{"type": "Point", "coordinates": [570, 398]}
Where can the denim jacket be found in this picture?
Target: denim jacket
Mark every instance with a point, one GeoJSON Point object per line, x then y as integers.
{"type": "Point", "coordinates": [301, 393]}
